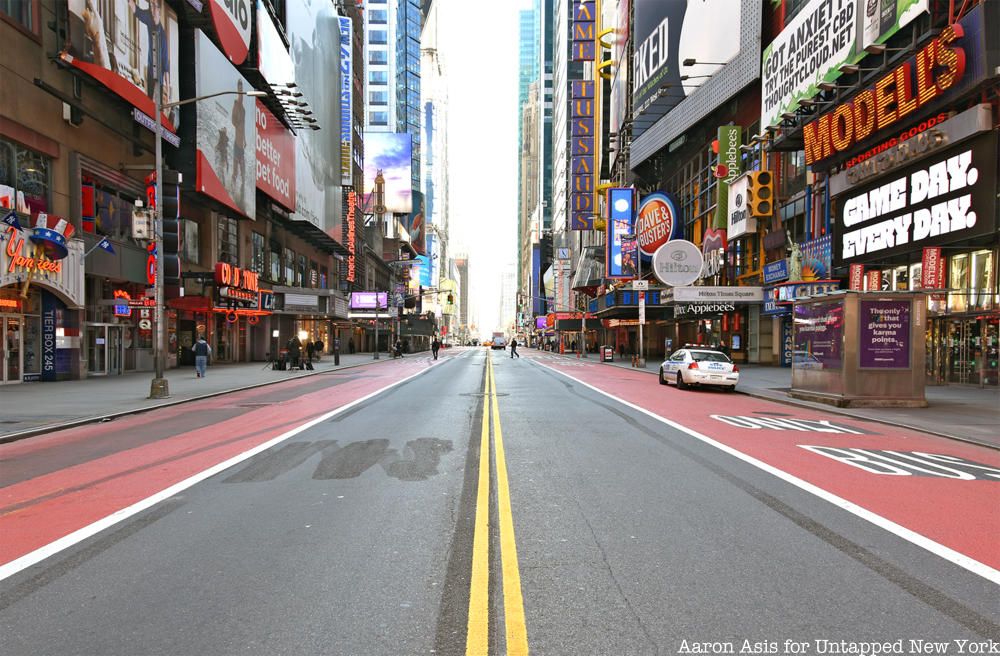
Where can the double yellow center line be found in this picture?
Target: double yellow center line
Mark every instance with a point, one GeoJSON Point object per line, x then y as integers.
{"type": "Point", "coordinates": [477, 641]}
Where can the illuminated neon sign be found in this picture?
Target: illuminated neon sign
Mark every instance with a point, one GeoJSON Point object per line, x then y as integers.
{"type": "Point", "coordinates": [15, 253]}
{"type": "Point", "coordinates": [122, 309]}
{"type": "Point", "coordinates": [227, 275]}
{"type": "Point", "coordinates": [910, 86]}
{"type": "Point", "coordinates": [352, 229]}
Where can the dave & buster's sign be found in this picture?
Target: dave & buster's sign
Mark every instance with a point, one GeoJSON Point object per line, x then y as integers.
{"type": "Point", "coordinates": [657, 222]}
{"type": "Point", "coordinates": [945, 198]}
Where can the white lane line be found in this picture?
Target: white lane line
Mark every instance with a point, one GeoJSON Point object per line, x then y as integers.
{"type": "Point", "coordinates": [63, 543]}
{"type": "Point", "coordinates": [936, 548]}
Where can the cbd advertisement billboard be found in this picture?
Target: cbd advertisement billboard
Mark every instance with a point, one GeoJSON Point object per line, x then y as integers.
{"type": "Point", "coordinates": [226, 163]}
{"type": "Point", "coordinates": [823, 36]}
{"type": "Point", "coordinates": [114, 45]}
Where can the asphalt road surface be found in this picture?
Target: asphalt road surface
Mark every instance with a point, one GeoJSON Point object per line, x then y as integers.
{"type": "Point", "coordinates": [485, 505]}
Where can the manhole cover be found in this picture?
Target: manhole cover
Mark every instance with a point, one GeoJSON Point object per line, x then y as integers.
{"type": "Point", "coordinates": [254, 405]}
{"type": "Point", "coordinates": [9, 421]}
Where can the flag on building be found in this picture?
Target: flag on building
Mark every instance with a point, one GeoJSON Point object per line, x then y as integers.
{"type": "Point", "coordinates": [10, 218]}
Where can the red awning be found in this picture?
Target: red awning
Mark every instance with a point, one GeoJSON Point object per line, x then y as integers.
{"type": "Point", "coordinates": [191, 303]}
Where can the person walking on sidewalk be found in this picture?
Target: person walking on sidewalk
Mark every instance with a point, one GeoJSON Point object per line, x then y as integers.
{"type": "Point", "coordinates": [201, 352]}
{"type": "Point", "coordinates": [513, 348]}
{"type": "Point", "coordinates": [435, 347]}
{"type": "Point", "coordinates": [294, 352]}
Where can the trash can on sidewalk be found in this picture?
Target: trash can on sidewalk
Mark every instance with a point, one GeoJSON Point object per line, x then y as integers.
{"type": "Point", "coordinates": [607, 353]}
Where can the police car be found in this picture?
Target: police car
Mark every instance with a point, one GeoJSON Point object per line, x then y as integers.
{"type": "Point", "coordinates": [699, 366]}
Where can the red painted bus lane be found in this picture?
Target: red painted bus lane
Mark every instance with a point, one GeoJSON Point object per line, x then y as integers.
{"type": "Point", "coordinates": [42, 509]}
{"type": "Point", "coordinates": [943, 490]}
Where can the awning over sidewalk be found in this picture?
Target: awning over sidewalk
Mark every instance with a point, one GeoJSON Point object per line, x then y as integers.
{"type": "Point", "coordinates": [570, 325]}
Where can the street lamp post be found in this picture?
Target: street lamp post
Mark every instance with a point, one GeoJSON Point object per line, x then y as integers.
{"type": "Point", "coordinates": [377, 308]}
{"type": "Point", "coordinates": [159, 387]}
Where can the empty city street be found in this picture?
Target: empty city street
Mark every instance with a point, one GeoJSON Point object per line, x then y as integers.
{"type": "Point", "coordinates": [615, 516]}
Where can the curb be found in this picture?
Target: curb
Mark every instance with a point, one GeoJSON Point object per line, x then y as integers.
{"type": "Point", "coordinates": [73, 423]}
{"type": "Point", "coordinates": [832, 409]}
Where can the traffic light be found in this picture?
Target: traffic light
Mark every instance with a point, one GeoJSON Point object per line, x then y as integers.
{"type": "Point", "coordinates": [760, 194]}
{"type": "Point", "coordinates": [451, 298]}
{"type": "Point", "coordinates": [171, 234]}
{"type": "Point", "coordinates": [171, 243]}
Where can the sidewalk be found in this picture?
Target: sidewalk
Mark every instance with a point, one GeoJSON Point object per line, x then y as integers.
{"type": "Point", "coordinates": [960, 412]}
{"type": "Point", "coordinates": [38, 407]}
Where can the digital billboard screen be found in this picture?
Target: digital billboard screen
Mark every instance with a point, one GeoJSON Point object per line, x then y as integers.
{"type": "Point", "coordinates": [390, 153]}
{"type": "Point", "coordinates": [369, 300]}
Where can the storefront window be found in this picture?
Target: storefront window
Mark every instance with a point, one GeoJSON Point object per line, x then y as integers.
{"type": "Point", "coordinates": [793, 217]}
{"type": "Point", "coordinates": [104, 211]}
{"type": "Point", "coordinates": [257, 261]}
{"type": "Point", "coordinates": [981, 281]}
{"type": "Point", "coordinates": [289, 266]}
{"type": "Point", "coordinates": [229, 244]}
{"type": "Point", "coordinates": [6, 163]}
{"type": "Point", "coordinates": [189, 241]}
{"type": "Point", "coordinates": [300, 273]}
{"type": "Point", "coordinates": [21, 11]}
{"type": "Point", "coordinates": [793, 173]}
{"type": "Point", "coordinates": [275, 258]}
{"type": "Point", "coordinates": [24, 178]}
{"type": "Point", "coordinates": [958, 282]}
{"type": "Point", "coordinates": [694, 185]}
{"type": "Point", "coordinates": [324, 278]}
{"type": "Point", "coordinates": [916, 270]}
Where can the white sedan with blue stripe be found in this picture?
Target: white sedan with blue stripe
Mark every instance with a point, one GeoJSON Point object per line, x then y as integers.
{"type": "Point", "coordinates": [694, 366]}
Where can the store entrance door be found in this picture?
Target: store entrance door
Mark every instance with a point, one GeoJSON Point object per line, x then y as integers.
{"type": "Point", "coordinates": [116, 352]}
{"type": "Point", "coordinates": [963, 348]}
{"type": "Point", "coordinates": [11, 359]}
{"type": "Point", "coordinates": [105, 349]}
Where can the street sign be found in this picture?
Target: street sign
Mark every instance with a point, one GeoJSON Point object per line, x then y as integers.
{"type": "Point", "coordinates": [562, 253]}
{"type": "Point", "coordinates": [640, 285]}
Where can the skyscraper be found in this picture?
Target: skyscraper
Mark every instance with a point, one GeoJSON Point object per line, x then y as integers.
{"type": "Point", "coordinates": [528, 137]}
{"type": "Point", "coordinates": [392, 56]}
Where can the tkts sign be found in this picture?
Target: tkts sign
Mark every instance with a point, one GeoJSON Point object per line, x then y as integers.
{"type": "Point", "coordinates": [938, 68]}
{"type": "Point", "coordinates": [943, 199]}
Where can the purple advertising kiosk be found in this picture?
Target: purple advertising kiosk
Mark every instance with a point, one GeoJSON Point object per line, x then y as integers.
{"type": "Point", "coordinates": [857, 349]}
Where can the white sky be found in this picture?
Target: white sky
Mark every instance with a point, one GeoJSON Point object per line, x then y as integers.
{"type": "Point", "coordinates": [478, 48]}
